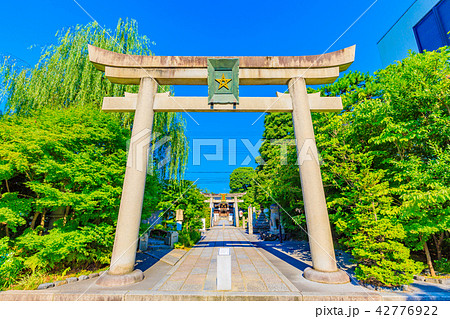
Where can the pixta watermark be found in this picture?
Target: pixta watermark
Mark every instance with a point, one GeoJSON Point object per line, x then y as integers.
{"type": "Point", "coordinates": [146, 150]}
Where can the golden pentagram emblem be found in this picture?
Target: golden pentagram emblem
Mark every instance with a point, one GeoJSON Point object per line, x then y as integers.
{"type": "Point", "coordinates": [223, 82]}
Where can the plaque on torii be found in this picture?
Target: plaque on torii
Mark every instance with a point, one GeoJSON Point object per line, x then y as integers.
{"type": "Point", "coordinates": [220, 74]}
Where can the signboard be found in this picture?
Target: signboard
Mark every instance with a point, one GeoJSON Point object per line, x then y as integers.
{"type": "Point", "coordinates": [179, 215]}
{"type": "Point", "coordinates": [223, 197]}
{"type": "Point", "coordinates": [223, 81]}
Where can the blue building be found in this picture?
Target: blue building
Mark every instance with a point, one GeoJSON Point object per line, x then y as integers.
{"type": "Point", "coordinates": [424, 26]}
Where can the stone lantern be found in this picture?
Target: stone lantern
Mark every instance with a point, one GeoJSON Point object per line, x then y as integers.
{"type": "Point", "coordinates": [275, 219]}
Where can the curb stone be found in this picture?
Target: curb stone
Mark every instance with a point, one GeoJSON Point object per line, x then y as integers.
{"type": "Point", "coordinates": [442, 281]}
{"type": "Point", "coordinates": [71, 279]}
{"type": "Point", "coordinates": [216, 296]}
{"type": "Point", "coordinates": [68, 281]}
{"type": "Point", "coordinates": [385, 289]}
{"type": "Point", "coordinates": [445, 281]}
{"type": "Point", "coordinates": [46, 285]}
{"type": "Point", "coordinates": [60, 283]}
{"type": "Point", "coordinates": [93, 275]}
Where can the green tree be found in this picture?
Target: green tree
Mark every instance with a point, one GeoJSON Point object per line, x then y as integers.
{"type": "Point", "coordinates": [407, 128]}
{"type": "Point", "coordinates": [241, 178]}
{"type": "Point", "coordinates": [71, 160]}
{"type": "Point", "coordinates": [384, 162]}
{"type": "Point", "coordinates": [64, 76]}
{"type": "Point", "coordinates": [60, 153]}
{"type": "Point", "coordinates": [187, 196]}
{"type": "Point", "coordinates": [14, 211]}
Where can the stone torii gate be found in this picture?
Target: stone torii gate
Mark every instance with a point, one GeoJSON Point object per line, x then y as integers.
{"type": "Point", "coordinates": [294, 71]}
{"type": "Point", "coordinates": [234, 198]}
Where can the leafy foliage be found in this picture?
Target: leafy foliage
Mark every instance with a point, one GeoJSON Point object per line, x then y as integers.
{"type": "Point", "coordinates": [64, 77]}
{"type": "Point", "coordinates": [382, 258]}
{"type": "Point", "coordinates": [62, 160]}
{"type": "Point", "coordinates": [385, 161]}
{"type": "Point", "coordinates": [13, 211]}
{"type": "Point", "coordinates": [188, 239]}
{"type": "Point", "coordinates": [187, 196]}
{"type": "Point", "coordinates": [241, 179]}
{"type": "Point", "coordinates": [61, 248]}
{"type": "Point", "coordinates": [10, 265]}
{"type": "Point", "coordinates": [443, 266]}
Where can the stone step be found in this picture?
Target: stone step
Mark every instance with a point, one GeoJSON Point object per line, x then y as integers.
{"type": "Point", "coordinates": [261, 224]}
{"type": "Point", "coordinates": [153, 247]}
{"type": "Point", "coordinates": [155, 242]}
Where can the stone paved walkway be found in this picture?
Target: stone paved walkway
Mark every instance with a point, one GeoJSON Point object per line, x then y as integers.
{"type": "Point", "coordinates": [260, 271]}
{"type": "Point", "coordinates": [251, 271]}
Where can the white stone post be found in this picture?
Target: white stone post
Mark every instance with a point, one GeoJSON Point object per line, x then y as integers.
{"type": "Point", "coordinates": [211, 213]}
{"type": "Point", "coordinates": [203, 224]}
{"type": "Point", "coordinates": [319, 231]}
{"type": "Point", "coordinates": [250, 219]}
{"type": "Point", "coordinates": [224, 269]}
{"type": "Point", "coordinates": [129, 219]}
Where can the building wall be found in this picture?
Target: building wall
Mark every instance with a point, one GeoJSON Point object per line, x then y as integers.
{"type": "Point", "coordinates": [394, 45]}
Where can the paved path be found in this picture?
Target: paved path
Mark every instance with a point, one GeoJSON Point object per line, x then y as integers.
{"type": "Point", "coordinates": [251, 271]}
{"type": "Point", "coordinates": [260, 271]}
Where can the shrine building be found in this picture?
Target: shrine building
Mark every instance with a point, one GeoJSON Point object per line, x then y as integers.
{"type": "Point", "coordinates": [224, 206]}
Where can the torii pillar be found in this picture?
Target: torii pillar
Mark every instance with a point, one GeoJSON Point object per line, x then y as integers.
{"type": "Point", "coordinates": [121, 271]}
{"type": "Point", "coordinates": [319, 230]}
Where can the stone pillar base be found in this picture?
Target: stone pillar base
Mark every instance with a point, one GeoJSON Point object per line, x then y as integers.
{"type": "Point", "coordinates": [108, 280]}
{"type": "Point", "coordinates": [335, 277]}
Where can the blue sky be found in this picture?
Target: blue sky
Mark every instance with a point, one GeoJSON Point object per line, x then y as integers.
{"type": "Point", "coordinates": [214, 28]}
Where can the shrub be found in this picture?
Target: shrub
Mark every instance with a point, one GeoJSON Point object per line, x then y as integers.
{"type": "Point", "coordinates": [189, 239]}
{"type": "Point", "coordinates": [195, 236]}
{"type": "Point", "coordinates": [10, 265]}
{"type": "Point", "coordinates": [382, 259]}
{"type": "Point", "coordinates": [442, 265]}
{"type": "Point", "coordinates": [60, 248]}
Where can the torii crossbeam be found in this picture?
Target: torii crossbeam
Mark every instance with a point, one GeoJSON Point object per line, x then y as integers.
{"type": "Point", "coordinates": [294, 71]}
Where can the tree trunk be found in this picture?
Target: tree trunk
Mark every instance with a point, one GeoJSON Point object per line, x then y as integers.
{"type": "Point", "coordinates": [429, 262]}
{"type": "Point", "coordinates": [42, 221]}
{"type": "Point", "coordinates": [7, 230]}
{"type": "Point", "coordinates": [7, 186]}
{"type": "Point", "coordinates": [66, 213]}
{"type": "Point", "coordinates": [438, 244]}
{"type": "Point", "coordinates": [440, 241]}
{"type": "Point", "coordinates": [33, 221]}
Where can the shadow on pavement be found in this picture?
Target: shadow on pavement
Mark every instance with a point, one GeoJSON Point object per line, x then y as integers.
{"type": "Point", "coordinates": [300, 265]}
{"type": "Point", "coordinates": [144, 262]}
{"type": "Point", "coordinates": [303, 253]}
{"type": "Point", "coordinates": [425, 288]}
